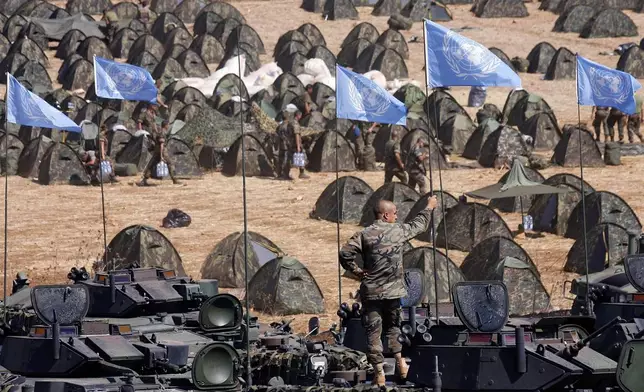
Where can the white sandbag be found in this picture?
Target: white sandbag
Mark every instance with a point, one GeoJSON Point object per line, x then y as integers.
{"type": "Point", "coordinates": [328, 80]}
{"type": "Point", "coordinates": [306, 79]}
{"type": "Point", "coordinates": [316, 68]}
{"type": "Point", "coordinates": [377, 77]}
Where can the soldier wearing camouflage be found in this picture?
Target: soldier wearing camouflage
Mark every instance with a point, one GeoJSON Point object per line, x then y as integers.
{"type": "Point", "coordinates": [393, 162]}
{"type": "Point", "coordinates": [616, 117]}
{"type": "Point", "coordinates": [290, 142]}
{"type": "Point", "coordinates": [160, 153]}
{"type": "Point", "coordinates": [382, 286]}
{"type": "Point", "coordinates": [599, 118]}
{"type": "Point", "coordinates": [635, 120]}
{"type": "Point", "coordinates": [111, 25]}
{"type": "Point", "coordinates": [369, 152]}
{"type": "Point", "coordinates": [416, 166]}
{"type": "Point", "coordinates": [102, 150]}
{"type": "Point", "coordinates": [144, 11]}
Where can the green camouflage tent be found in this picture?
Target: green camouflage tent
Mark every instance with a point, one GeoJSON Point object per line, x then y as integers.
{"type": "Point", "coordinates": [226, 261]}
{"type": "Point", "coordinates": [284, 286]}
{"type": "Point", "coordinates": [352, 193]}
{"type": "Point", "coordinates": [140, 245]}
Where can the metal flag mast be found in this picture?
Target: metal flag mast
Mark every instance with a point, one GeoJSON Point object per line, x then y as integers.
{"type": "Point", "coordinates": [583, 193]}
{"type": "Point", "coordinates": [6, 194]}
{"type": "Point", "coordinates": [243, 147]}
{"type": "Point", "coordinates": [337, 191]}
{"type": "Point", "coordinates": [100, 170]}
{"type": "Point", "coordinates": [431, 183]}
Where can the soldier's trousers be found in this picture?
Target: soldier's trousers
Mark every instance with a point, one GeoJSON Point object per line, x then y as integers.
{"type": "Point", "coordinates": [420, 180]}
{"type": "Point", "coordinates": [634, 123]}
{"type": "Point", "coordinates": [369, 158]}
{"type": "Point", "coordinates": [284, 163]}
{"type": "Point", "coordinates": [376, 315]}
{"type": "Point", "coordinates": [156, 158]}
{"type": "Point", "coordinates": [619, 120]}
{"type": "Point", "coordinates": [400, 174]}
{"type": "Point", "coordinates": [598, 122]}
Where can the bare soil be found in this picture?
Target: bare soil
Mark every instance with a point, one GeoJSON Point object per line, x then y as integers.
{"type": "Point", "coordinates": [53, 228]}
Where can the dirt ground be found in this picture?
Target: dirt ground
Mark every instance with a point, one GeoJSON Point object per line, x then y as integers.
{"type": "Point", "coordinates": [53, 228]}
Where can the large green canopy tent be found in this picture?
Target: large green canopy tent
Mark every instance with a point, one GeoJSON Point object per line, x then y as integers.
{"type": "Point", "coordinates": [516, 184]}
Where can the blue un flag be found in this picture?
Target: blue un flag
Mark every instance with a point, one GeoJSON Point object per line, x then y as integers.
{"type": "Point", "coordinates": [454, 60]}
{"type": "Point", "coordinates": [598, 85]}
{"type": "Point", "coordinates": [123, 81]}
{"type": "Point", "coordinates": [359, 98]}
{"type": "Point", "coordinates": [26, 108]}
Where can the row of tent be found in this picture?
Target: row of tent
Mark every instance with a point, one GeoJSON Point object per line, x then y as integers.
{"type": "Point", "coordinates": [279, 284]}
{"type": "Point", "coordinates": [592, 22]}
{"type": "Point", "coordinates": [467, 224]}
{"type": "Point", "coordinates": [558, 64]}
{"type": "Point", "coordinates": [562, 6]}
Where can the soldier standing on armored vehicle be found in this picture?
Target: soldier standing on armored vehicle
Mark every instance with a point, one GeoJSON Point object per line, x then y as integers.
{"type": "Point", "coordinates": [382, 287]}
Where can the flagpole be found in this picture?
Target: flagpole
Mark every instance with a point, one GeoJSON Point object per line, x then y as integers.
{"type": "Point", "coordinates": [100, 170]}
{"type": "Point", "coordinates": [337, 188]}
{"type": "Point", "coordinates": [583, 193]}
{"type": "Point", "coordinates": [6, 194]}
{"type": "Point", "coordinates": [243, 147]}
{"type": "Point", "coordinates": [431, 183]}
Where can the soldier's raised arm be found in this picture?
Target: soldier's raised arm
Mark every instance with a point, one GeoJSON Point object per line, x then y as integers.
{"type": "Point", "coordinates": [348, 254]}
{"type": "Point", "coordinates": [421, 222]}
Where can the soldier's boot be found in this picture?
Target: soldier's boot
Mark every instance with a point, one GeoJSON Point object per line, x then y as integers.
{"type": "Point", "coordinates": [303, 175]}
{"type": "Point", "coordinates": [401, 366]}
{"type": "Point", "coordinates": [143, 182]}
{"type": "Point", "coordinates": [379, 375]}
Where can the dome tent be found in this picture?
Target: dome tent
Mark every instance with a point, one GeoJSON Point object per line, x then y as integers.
{"type": "Point", "coordinates": [353, 195]}
{"type": "Point", "coordinates": [226, 261]}
{"type": "Point", "coordinates": [468, 224]}
{"type": "Point", "coordinates": [423, 259]}
{"type": "Point", "coordinates": [284, 286]}
{"type": "Point", "coordinates": [607, 246]}
{"type": "Point", "coordinates": [140, 245]}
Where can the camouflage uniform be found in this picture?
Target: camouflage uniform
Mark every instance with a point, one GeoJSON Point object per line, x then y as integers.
{"type": "Point", "coordinates": [380, 246]}
{"type": "Point", "coordinates": [634, 120]}
{"type": "Point", "coordinates": [368, 152]}
{"type": "Point", "coordinates": [102, 151]}
{"type": "Point", "coordinates": [287, 132]}
{"type": "Point", "coordinates": [391, 164]}
{"type": "Point", "coordinates": [416, 171]}
{"type": "Point", "coordinates": [158, 136]}
{"type": "Point", "coordinates": [111, 27]}
{"type": "Point", "coordinates": [144, 13]}
{"type": "Point", "coordinates": [601, 116]}
{"type": "Point", "coordinates": [619, 118]}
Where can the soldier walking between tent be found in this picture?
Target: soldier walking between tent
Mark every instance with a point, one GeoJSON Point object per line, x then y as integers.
{"type": "Point", "coordinates": [416, 166]}
{"type": "Point", "coordinates": [619, 118]}
{"type": "Point", "coordinates": [111, 25]}
{"type": "Point", "coordinates": [382, 286]}
{"type": "Point", "coordinates": [635, 119]}
{"type": "Point", "coordinates": [158, 136]}
{"type": "Point", "coordinates": [290, 142]}
{"type": "Point", "coordinates": [144, 11]}
{"type": "Point", "coordinates": [102, 150]}
{"type": "Point", "coordinates": [393, 162]}
{"type": "Point", "coordinates": [599, 118]}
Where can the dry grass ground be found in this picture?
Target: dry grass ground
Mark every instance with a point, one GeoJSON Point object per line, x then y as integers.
{"type": "Point", "coordinates": [53, 228]}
